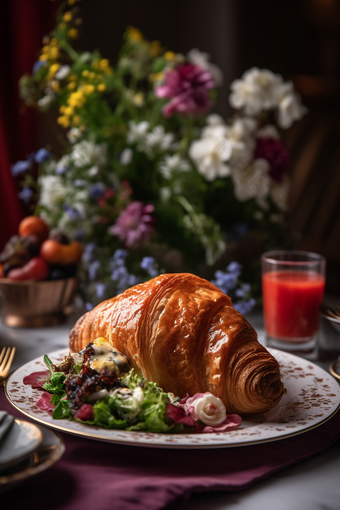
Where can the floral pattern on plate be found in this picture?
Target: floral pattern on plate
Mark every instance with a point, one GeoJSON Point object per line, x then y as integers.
{"type": "Point", "coordinates": [313, 396]}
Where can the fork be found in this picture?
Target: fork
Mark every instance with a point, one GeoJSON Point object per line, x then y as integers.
{"type": "Point", "coordinates": [334, 312]}
{"type": "Point", "coordinates": [6, 359]}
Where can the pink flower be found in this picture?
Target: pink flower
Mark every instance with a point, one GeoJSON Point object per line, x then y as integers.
{"type": "Point", "coordinates": [187, 86]}
{"type": "Point", "coordinates": [203, 408]}
{"type": "Point", "coordinates": [134, 225]}
{"type": "Point", "coordinates": [277, 156]}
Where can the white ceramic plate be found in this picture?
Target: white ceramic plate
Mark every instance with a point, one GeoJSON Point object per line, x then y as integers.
{"type": "Point", "coordinates": [20, 441]}
{"type": "Point", "coordinates": [49, 452]}
{"type": "Point", "coordinates": [313, 396]}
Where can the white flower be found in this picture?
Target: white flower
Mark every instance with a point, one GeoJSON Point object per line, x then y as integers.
{"type": "Point", "coordinates": [210, 409]}
{"type": "Point", "coordinates": [63, 164]}
{"type": "Point", "coordinates": [62, 72]}
{"type": "Point", "coordinates": [158, 138]}
{"type": "Point", "coordinates": [52, 191]}
{"type": "Point", "coordinates": [93, 171]}
{"type": "Point", "coordinates": [165, 193]}
{"type": "Point", "coordinates": [268, 131]}
{"type": "Point", "coordinates": [252, 182]}
{"type": "Point", "coordinates": [290, 107]}
{"type": "Point", "coordinates": [201, 59]}
{"type": "Point", "coordinates": [171, 164]}
{"type": "Point", "coordinates": [126, 157]}
{"type": "Point", "coordinates": [279, 194]}
{"type": "Point", "coordinates": [210, 152]}
{"type": "Point", "coordinates": [137, 132]}
{"type": "Point", "coordinates": [220, 144]}
{"type": "Point", "coordinates": [86, 153]}
{"type": "Point", "coordinates": [241, 140]}
{"type": "Point", "coordinates": [255, 91]}
{"type": "Point", "coordinates": [149, 142]}
{"type": "Point", "coordinates": [74, 134]}
{"type": "Point", "coordinates": [46, 100]}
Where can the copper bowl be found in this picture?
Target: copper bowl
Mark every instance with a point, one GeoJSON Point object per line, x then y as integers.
{"type": "Point", "coordinates": [36, 304]}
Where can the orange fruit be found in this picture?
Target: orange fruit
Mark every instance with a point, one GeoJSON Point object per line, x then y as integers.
{"type": "Point", "coordinates": [34, 225]}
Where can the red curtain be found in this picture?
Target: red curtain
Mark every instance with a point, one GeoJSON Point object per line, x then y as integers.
{"type": "Point", "coordinates": [22, 26]}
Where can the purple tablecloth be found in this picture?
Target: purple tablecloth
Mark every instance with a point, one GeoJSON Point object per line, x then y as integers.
{"type": "Point", "coordinates": [103, 476]}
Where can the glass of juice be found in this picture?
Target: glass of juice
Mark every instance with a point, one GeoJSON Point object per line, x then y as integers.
{"type": "Point", "coordinates": [293, 284]}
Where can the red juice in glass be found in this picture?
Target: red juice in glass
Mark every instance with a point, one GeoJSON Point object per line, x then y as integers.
{"type": "Point", "coordinates": [291, 302]}
{"type": "Point", "coordinates": [293, 284]}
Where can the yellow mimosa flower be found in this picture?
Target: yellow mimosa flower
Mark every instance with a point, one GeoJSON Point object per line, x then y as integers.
{"type": "Point", "coordinates": [54, 42]}
{"type": "Point", "coordinates": [55, 85]}
{"type": "Point", "coordinates": [67, 16]}
{"type": "Point", "coordinates": [62, 108]}
{"type": "Point", "coordinates": [52, 70]}
{"type": "Point", "coordinates": [43, 56]}
{"type": "Point", "coordinates": [138, 99]}
{"type": "Point", "coordinates": [104, 63]}
{"type": "Point", "coordinates": [73, 33]}
{"type": "Point", "coordinates": [87, 88]}
{"type": "Point", "coordinates": [92, 75]}
{"type": "Point", "coordinates": [154, 77]}
{"type": "Point", "coordinates": [54, 52]}
{"type": "Point", "coordinates": [169, 55]}
{"type": "Point", "coordinates": [134, 34]}
{"type": "Point", "coordinates": [68, 111]}
{"type": "Point", "coordinates": [71, 85]}
{"type": "Point", "coordinates": [85, 72]}
{"type": "Point", "coordinates": [76, 120]}
{"type": "Point", "coordinates": [155, 48]}
{"type": "Point", "coordinates": [76, 99]}
{"type": "Point", "coordinates": [63, 121]}
{"type": "Point", "coordinates": [101, 87]}
{"type": "Point", "coordinates": [72, 77]}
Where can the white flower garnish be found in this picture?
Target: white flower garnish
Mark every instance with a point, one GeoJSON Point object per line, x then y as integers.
{"type": "Point", "coordinates": [210, 409]}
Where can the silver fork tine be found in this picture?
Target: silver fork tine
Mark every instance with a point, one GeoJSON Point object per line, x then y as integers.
{"type": "Point", "coordinates": [3, 364]}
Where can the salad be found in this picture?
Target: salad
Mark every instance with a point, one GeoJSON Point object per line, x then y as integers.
{"type": "Point", "coordinates": [97, 386]}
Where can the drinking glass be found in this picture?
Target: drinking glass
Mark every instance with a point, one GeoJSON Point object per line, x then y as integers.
{"type": "Point", "coordinates": [293, 284]}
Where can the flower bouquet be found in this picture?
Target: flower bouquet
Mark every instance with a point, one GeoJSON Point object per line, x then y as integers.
{"type": "Point", "coordinates": [145, 175]}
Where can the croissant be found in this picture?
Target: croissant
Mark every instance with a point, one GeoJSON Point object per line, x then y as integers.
{"type": "Point", "coordinates": [183, 333]}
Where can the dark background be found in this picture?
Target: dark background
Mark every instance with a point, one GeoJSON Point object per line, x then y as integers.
{"type": "Point", "coordinates": [299, 39]}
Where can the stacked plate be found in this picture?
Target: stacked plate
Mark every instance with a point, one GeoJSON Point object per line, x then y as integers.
{"type": "Point", "coordinates": [25, 450]}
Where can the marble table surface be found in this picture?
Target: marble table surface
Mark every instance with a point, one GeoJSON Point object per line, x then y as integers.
{"type": "Point", "coordinates": [310, 485]}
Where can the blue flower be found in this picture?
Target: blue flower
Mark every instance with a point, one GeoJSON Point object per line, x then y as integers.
{"type": "Point", "coordinates": [97, 190]}
{"type": "Point", "coordinates": [225, 281]}
{"type": "Point", "coordinates": [149, 265]}
{"type": "Point", "coordinates": [42, 156]}
{"type": "Point", "coordinates": [243, 290]}
{"type": "Point", "coordinates": [234, 268]}
{"type": "Point", "coordinates": [100, 289]}
{"type": "Point", "coordinates": [79, 235]}
{"type": "Point", "coordinates": [93, 268]}
{"type": "Point", "coordinates": [120, 273]}
{"type": "Point", "coordinates": [38, 65]}
{"type": "Point", "coordinates": [73, 213]}
{"type": "Point", "coordinates": [26, 194]}
{"type": "Point", "coordinates": [79, 183]}
{"type": "Point", "coordinates": [61, 169]}
{"type": "Point", "coordinates": [88, 252]}
{"type": "Point", "coordinates": [20, 166]}
{"type": "Point", "coordinates": [89, 306]}
{"type": "Point", "coordinates": [245, 307]}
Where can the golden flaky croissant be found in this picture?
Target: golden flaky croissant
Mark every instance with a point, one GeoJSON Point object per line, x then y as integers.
{"type": "Point", "coordinates": [183, 333]}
